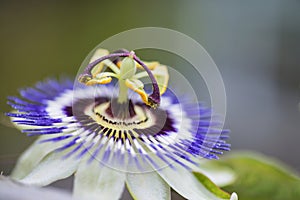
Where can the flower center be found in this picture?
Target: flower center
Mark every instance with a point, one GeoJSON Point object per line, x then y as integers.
{"type": "Point", "coordinates": [105, 116]}
{"type": "Point", "coordinates": [98, 115]}
{"type": "Point", "coordinates": [127, 77]}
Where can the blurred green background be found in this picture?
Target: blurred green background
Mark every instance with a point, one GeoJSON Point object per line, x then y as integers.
{"type": "Point", "coordinates": [255, 44]}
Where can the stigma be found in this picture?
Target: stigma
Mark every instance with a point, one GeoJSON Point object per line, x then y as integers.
{"type": "Point", "coordinates": [129, 71]}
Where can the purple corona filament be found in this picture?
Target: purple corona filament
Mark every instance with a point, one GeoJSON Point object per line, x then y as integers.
{"type": "Point", "coordinates": [177, 133]}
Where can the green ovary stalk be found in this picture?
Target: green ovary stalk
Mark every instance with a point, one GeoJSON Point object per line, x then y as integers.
{"type": "Point", "coordinates": [122, 98]}
{"type": "Point", "coordinates": [127, 70]}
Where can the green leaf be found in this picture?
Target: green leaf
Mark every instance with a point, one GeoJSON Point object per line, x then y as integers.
{"type": "Point", "coordinates": [213, 188]}
{"type": "Point", "coordinates": [261, 178]}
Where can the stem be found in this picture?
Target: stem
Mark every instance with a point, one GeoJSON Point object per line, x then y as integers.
{"type": "Point", "coordinates": [122, 98]}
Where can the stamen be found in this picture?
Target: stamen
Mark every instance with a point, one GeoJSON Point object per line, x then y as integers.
{"type": "Point", "coordinates": [86, 75]}
{"type": "Point", "coordinates": [87, 78]}
{"type": "Point", "coordinates": [154, 98]}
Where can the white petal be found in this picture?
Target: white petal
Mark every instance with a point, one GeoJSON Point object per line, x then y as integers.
{"type": "Point", "coordinates": [52, 168]}
{"type": "Point", "coordinates": [32, 156]}
{"type": "Point", "coordinates": [185, 183]}
{"type": "Point", "coordinates": [148, 186]}
{"type": "Point", "coordinates": [94, 181]}
{"type": "Point", "coordinates": [9, 190]}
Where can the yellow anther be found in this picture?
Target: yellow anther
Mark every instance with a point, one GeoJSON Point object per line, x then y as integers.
{"type": "Point", "coordinates": [136, 87]}
{"type": "Point", "coordinates": [162, 77]}
{"type": "Point", "coordinates": [104, 80]}
{"type": "Point", "coordinates": [125, 71]}
{"type": "Point", "coordinates": [150, 65]}
{"type": "Point", "coordinates": [99, 67]}
{"type": "Point", "coordinates": [119, 63]}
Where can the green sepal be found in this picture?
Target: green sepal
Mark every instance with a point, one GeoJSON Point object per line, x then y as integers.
{"type": "Point", "coordinates": [209, 185]}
